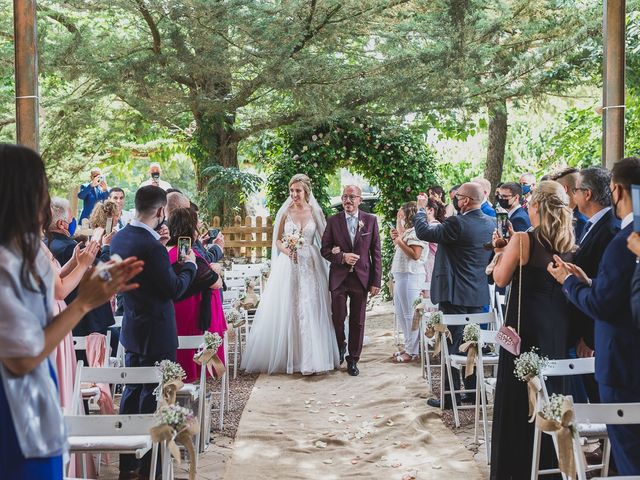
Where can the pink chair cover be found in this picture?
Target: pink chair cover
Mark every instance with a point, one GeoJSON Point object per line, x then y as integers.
{"type": "Point", "coordinates": [97, 357]}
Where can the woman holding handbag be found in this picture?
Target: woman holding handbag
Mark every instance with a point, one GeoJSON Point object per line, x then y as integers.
{"type": "Point", "coordinates": [537, 316]}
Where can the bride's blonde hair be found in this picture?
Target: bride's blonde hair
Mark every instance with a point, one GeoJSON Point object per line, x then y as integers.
{"type": "Point", "coordinates": [306, 184]}
{"type": "Point", "coordinates": [556, 218]}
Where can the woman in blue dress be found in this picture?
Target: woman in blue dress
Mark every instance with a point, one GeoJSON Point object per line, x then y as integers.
{"type": "Point", "coordinates": [33, 438]}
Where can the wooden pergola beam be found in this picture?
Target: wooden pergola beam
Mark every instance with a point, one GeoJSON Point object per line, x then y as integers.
{"type": "Point", "coordinates": [26, 72]}
{"type": "Point", "coordinates": [613, 82]}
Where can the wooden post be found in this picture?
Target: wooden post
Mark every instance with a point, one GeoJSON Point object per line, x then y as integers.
{"type": "Point", "coordinates": [613, 82]}
{"type": "Point", "coordinates": [26, 74]}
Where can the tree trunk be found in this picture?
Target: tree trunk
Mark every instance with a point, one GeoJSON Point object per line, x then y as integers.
{"type": "Point", "coordinates": [497, 142]}
{"type": "Point", "coordinates": [215, 144]}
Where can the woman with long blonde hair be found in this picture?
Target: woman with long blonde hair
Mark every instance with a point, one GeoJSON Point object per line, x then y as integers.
{"type": "Point", "coordinates": [539, 312]}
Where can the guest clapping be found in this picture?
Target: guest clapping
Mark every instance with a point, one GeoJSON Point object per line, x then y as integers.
{"type": "Point", "coordinates": [93, 192]}
{"type": "Point", "coordinates": [539, 313]}
{"type": "Point", "coordinates": [199, 309]}
{"type": "Point", "coordinates": [607, 299]}
{"type": "Point", "coordinates": [408, 269]}
{"type": "Point", "coordinates": [32, 432]}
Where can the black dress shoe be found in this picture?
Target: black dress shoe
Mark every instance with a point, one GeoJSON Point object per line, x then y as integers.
{"type": "Point", "coordinates": [352, 368]}
{"type": "Point", "coordinates": [433, 402]}
{"type": "Point", "coordinates": [343, 350]}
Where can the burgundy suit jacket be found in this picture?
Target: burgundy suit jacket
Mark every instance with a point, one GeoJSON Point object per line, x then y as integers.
{"type": "Point", "coordinates": [366, 244]}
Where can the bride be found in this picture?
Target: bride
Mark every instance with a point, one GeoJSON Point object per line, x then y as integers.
{"type": "Point", "coordinates": [292, 330]}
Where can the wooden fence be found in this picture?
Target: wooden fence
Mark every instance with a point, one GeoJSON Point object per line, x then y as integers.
{"type": "Point", "coordinates": [249, 238]}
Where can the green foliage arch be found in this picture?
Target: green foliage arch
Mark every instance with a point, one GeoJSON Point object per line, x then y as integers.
{"type": "Point", "coordinates": [395, 159]}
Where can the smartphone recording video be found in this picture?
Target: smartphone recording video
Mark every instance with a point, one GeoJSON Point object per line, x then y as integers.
{"type": "Point", "coordinates": [502, 223]}
{"type": "Point", "coordinates": [184, 247]}
{"type": "Point", "coordinates": [97, 234]}
{"type": "Point", "coordinates": [635, 203]}
{"type": "Point", "coordinates": [213, 234]}
{"type": "Point", "coordinates": [109, 227]}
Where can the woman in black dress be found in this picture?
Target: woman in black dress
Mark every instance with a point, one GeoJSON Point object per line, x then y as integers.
{"type": "Point", "coordinates": [544, 321]}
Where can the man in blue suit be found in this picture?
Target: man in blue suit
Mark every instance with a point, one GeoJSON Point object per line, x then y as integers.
{"type": "Point", "coordinates": [607, 299]}
{"type": "Point", "coordinates": [93, 192]}
{"type": "Point", "coordinates": [149, 326]}
{"type": "Point", "coordinates": [460, 284]}
{"type": "Point", "coordinates": [509, 198]}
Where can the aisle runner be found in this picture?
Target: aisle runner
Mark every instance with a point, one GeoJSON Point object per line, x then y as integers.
{"type": "Point", "coordinates": [334, 426]}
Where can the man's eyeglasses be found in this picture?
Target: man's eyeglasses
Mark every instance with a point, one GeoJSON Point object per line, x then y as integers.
{"type": "Point", "coordinates": [350, 197]}
{"type": "Point", "coordinates": [459, 196]}
{"type": "Point", "coordinates": [504, 197]}
{"type": "Point", "coordinates": [575, 189]}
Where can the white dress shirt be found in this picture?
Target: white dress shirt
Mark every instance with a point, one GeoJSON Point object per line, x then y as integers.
{"type": "Point", "coordinates": [595, 218]}
{"type": "Point", "coordinates": [626, 221]}
{"type": "Point", "coordinates": [160, 183]}
{"type": "Point", "coordinates": [137, 223]}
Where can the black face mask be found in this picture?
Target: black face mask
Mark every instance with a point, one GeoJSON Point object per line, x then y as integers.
{"type": "Point", "coordinates": [454, 202]}
{"type": "Point", "coordinates": [162, 222]}
{"type": "Point", "coordinates": [504, 203]}
{"type": "Point", "coordinates": [614, 207]}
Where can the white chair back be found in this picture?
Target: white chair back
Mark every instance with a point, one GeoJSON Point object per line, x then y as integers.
{"type": "Point", "coordinates": [487, 337]}
{"type": "Point", "coordinates": [569, 366]}
{"type": "Point", "coordinates": [249, 269]}
{"type": "Point", "coordinates": [601, 413]}
{"type": "Point", "coordinates": [190, 342]}
{"type": "Point", "coordinates": [109, 425]}
{"type": "Point", "coordinates": [467, 318]}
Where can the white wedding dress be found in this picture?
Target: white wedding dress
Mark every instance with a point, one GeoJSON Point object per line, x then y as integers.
{"type": "Point", "coordinates": [292, 329]}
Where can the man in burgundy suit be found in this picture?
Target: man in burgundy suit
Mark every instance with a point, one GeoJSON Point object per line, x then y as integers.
{"type": "Point", "coordinates": [351, 242]}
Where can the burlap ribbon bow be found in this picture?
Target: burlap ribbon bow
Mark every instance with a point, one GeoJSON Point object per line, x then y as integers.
{"type": "Point", "coordinates": [437, 329]}
{"type": "Point", "coordinates": [210, 359]}
{"type": "Point", "coordinates": [417, 316]}
{"type": "Point", "coordinates": [533, 388]}
{"type": "Point", "coordinates": [564, 434]}
{"type": "Point", "coordinates": [165, 433]}
{"type": "Point", "coordinates": [170, 391]}
{"type": "Point", "coordinates": [471, 348]}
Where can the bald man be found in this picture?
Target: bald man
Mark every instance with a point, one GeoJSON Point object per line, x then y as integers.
{"type": "Point", "coordinates": [459, 283]}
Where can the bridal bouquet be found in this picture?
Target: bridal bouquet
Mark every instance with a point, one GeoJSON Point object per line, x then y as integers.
{"type": "Point", "coordinates": [527, 369]}
{"type": "Point", "coordinates": [293, 241]}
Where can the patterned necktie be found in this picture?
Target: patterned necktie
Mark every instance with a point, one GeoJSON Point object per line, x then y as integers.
{"type": "Point", "coordinates": [351, 221]}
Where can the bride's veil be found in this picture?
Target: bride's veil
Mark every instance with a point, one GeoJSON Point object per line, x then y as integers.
{"type": "Point", "coordinates": [318, 217]}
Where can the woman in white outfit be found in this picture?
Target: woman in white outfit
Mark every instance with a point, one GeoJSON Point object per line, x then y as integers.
{"type": "Point", "coordinates": [292, 330]}
{"type": "Point", "coordinates": [408, 270]}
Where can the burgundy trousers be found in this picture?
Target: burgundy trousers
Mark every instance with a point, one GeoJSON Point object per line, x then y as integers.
{"type": "Point", "coordinates": [350, 290]}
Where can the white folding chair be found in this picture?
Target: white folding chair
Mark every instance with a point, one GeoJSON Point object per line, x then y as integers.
{"type": "Point", "coordinates": [487, 338]}
{"type": "Point", "coordinates": [597, 414]}
{"type": "Point", "coordinates": [448, 361]}
{"type": "Point", "coordinates": [565, 368]}
{"type": "Point", "coordinates": [113, 434]}
{"type": "Point", "coordinates": [425, 354]}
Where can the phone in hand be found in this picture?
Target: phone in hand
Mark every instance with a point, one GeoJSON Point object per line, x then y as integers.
{"type": "Point", "coordinates": [502, 224]}
{"type": "Point", "coordinates": [213, 234]}
{"type": "Point", "coordinates": [635, 203]}
{"type": "Point", "coordinates": [109, 227]}
{"type": "Point", "coordinates": [97, 234]}
{"type": "Point", "coordinates": [184, 247]}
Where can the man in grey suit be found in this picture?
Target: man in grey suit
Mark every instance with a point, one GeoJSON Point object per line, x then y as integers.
{"type": "Point", "coordinates": [459, 283]}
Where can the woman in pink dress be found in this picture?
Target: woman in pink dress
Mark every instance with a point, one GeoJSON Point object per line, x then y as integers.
{"type": "Point", "coordinates": [199, 309]}
{"type": "Point", "coordinates": [67, 278]}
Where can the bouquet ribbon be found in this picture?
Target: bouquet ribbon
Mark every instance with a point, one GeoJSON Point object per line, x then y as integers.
{"type": "Point", "coordinates": [563, 431]}
{"type": "Point", "coordinates": [209, 358]}
{"type": "Point", "coordinates": [417, 316]}
{"type": "Point", "coordinates": [471, 348]}
{"type": "Point", "coordinates": [533, 388]}
{"type": "Point", "coordinates": [165, 433]}
{"type": "Point", "coordinates": [170, 390]}
{"type": "Point", "coordinates": [438, 328]}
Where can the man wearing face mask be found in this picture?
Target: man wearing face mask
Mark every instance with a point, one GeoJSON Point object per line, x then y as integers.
{"type": "Point", "coordinates": [509, 195]}
{"type": "Point", "coordinates": [148, 327]}
{"type": "Point", "coordinates": [154, 178]}
{"type": "Point", "coordinates": [527, 183]}
{"type": "Point", "coordinates": [607, 299]}
{"type": "Point", "coordinates": [459, 283]}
